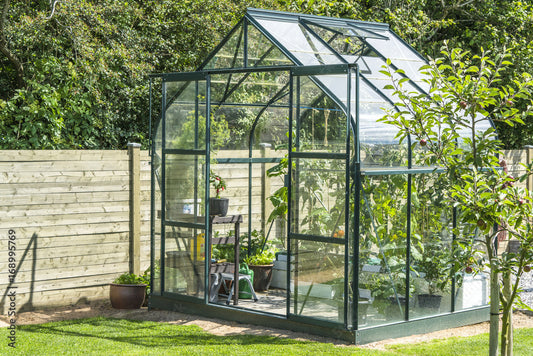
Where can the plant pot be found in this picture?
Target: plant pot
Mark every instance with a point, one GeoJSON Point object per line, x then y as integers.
{"type": "Point", "coordinates": [262, 276]}
{"type": "Point", "coordinates": [127, 296]}
{"type": "Point", "coordinates": [429, 301]}
{"type": "Point", "coordinates": [218, 206]}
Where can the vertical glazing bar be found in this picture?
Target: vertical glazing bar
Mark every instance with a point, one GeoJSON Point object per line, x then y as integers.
{"type": "Point", "coordinates": [196, 139]}
{"type": "Point", "coordinates": [408, 247]}
{"type": "Point", "coordinates": [206, 183]}
{"type": "Point", "coordinates": [453, 291]}
{"type": "Point", "coordinates": [289, 192]}
{"type": "Point", "coordinates": [250, 196]}
{"type": "Point", "coordinates": [245, 44]}
{"type": "Point", "coordinates": [152, 194]}
{"type": "Point", "coordinates": [163, 185]}
{"type": "Point", "coordinates": [294, 198]}
{"type": "Point", "coordinates": [357, 199]}
{"type": "Point", "coordinates": [347, 201]}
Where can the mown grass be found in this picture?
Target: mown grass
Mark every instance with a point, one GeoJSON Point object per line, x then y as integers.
{"type": "Point", "coordinates": [108, 336]}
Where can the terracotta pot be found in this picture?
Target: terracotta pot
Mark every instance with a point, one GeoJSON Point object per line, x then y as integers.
{"type": "Point", "coordinates": [127, 296]}
{"type": "Point", "coordinates": [218, 206]}
{"type": "Point", "coordinates": [262, 276]}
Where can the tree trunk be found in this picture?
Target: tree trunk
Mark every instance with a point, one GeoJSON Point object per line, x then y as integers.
{"type": "Point", "coordinates": [494, 312]}
{"type": "Point", "coordinates": [15, 61]}
{"type": "Point", "coordinates": [507, 318]}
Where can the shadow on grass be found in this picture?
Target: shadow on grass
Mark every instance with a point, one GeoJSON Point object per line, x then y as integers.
{"type": "Point", "coordinates": [148, 333]}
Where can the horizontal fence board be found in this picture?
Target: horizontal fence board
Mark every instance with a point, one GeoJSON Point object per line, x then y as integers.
{"type": "Point", "coordinates": [64, 166]}
{"type": "Point", "coordinates": [64, 219]}
{"type": "Point", "coordinates": [68, 261]}
{"type": "Point", "coordinates": [65, 283]}
{"type": "Point", "coordinates": [68, 197]}
{"type": "Point", "coordinates": [87, 271]}
{"type": "Point", "coordinates": [54, 188]}
{"type": "Point", "coordinates": [58, 241]}
{"type": "Point", "coordinates": [51, 252]}
{"type": "Point", "coordinates": [59, 178]}
{"type": "Point", "coordinates": [50, 299]}
{"type": "Point", "coordinates": [35, 210]}
{"type": "Point", "coordinates": [70, 230]}
{"type": "Point", "coordinates": [63, 155]}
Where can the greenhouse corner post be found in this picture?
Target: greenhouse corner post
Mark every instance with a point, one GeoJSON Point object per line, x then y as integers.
{"type": "Point", "coordinates": [357, 187]}
{"type": "Point", "coordinates": [206, 179]}
{"type": "Point", "coordinates": [347, 200]}
{"type": "Point", "coordinates": [151, 144]}
{"type": "Point", "coordinates": [408, 242]}
{"type": "Point", "coordinates": [163, 185]}
{"type": "Point", "coordinates": [289, 193]}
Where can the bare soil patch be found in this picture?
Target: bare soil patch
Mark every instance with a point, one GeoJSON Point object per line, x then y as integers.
{"type": "Point", "coordinates": [222, 327]}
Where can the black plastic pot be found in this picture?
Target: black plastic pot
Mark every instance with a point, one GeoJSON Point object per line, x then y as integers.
{"type": "Point", "coordinates": [429, 301]}
{"type": "Point", "coordinates": [218, 206]}
{"type": "Point", "coordinates": [262, 276]}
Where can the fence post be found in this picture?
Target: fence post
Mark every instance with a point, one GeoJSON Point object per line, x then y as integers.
{"type": "Point", "coordinates": [134, 153]}
{"type": "Point", "coordinates": [529, 155]}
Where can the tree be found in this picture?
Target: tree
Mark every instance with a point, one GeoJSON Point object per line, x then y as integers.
{"type": "Point", "coordinates": [81, 79]}
{"type": "Point", "coordinates": [465, 91]}
{"type": "Point", "coordinates": [467, 24]}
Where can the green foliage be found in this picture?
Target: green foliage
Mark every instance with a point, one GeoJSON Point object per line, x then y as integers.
{"type": "Point", "coordinates": [86, 66]}
{"type": "Point", "coordinates": [132, 278]}
{"type": "Point", "coordinates": [464, 90]}
{"type": "Point", "coordinates": [261, 258]}
{"type": "Point", "coordinates": [218, 183]}
{"type": "Point", "coordinates": [471, 25]}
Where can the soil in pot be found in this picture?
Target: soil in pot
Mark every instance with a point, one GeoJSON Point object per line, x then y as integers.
{"type": "Point", "coordinates": [262, 276]}
{"type": "Point", "coordinates": [127, 296]}
{"type": "Point", "coordinates": [218, 206]}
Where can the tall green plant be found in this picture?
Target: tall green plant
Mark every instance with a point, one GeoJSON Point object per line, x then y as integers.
{"type": "Point", "coordinates": [464, 91]}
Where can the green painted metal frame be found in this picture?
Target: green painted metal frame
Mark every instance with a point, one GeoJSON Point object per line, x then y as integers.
{"type": "Point", "coordinates": [354, 173]}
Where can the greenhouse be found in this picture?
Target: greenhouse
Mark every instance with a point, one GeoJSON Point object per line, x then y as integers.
{"type": "Point", "coordinates": [346, 235]}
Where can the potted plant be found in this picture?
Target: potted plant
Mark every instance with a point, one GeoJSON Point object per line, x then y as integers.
{"type": "Point", "coordinates": [260, 258]}
{"type": "Point", "coordinates": [433, 266]}
{"type": "Point", "coordinates": [128, 291]}
{"type": "Point", "coordinates": [218, 205]}
{"type": "Point", "coordinates": [261, 263]}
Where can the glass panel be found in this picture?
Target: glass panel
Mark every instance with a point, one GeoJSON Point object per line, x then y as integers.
{"type": "Point", "coordinates": [342, 40]}
{"type": "Point", "coordinates": [185, 188]}
{"type": "Point", "coordinates": [322, 123]}
{"type": "Point", "coordinates": [431, 238]}
{"type": "Point", "coordinates": [231, 54]}
{"type": "Point", "coordinates": [382, 256]}
{"type": "Point", "coordinates": [185, 115]}
{"type": "Point", "coordinates": [317, 288]}
{"type": "Point", "coordinates": [401, 55]}
{"type": "Point", "coordinates": [241, 112]}
{"type": "Point", "coordinates": [184, 261]}
{"type": "Point", "coordinates": [319, 191]}
{"type": "Point", "coordinates": [262, 52]}
{"type": "Point", "coordinates": [379, 145]}
{"type": "Point", "coordinates": [303, 46]}
{"type": "Point", "coordinates": [471, 290]}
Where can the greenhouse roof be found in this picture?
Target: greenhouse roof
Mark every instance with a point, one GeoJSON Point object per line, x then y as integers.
{"type": "Point", "coordinates": [266, 39]}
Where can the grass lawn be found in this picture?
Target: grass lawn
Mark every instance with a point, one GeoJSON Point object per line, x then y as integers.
{"type": "Point", "coordinates": [107, 336]}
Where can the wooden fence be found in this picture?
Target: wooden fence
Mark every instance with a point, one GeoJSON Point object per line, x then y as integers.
{"type": "Point", "coordinates": [77, 223]}
{"type": "Point", "coordinates": [81, 218]}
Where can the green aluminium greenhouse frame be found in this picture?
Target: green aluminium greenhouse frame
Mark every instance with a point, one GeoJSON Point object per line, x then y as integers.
{"type": "Point", "coordinates": [286, 109]}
